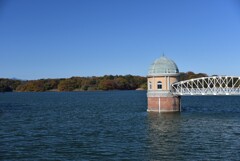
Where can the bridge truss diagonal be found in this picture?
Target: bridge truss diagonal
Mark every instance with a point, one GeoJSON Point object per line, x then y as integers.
{"type": "Point", "coordinates": [214, 85]}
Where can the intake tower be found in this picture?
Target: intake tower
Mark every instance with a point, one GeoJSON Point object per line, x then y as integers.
{"type": "Point", "coordinates": [161, 75]}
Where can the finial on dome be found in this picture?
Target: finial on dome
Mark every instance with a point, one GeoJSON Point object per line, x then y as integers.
{"type": "Point", "coordinates": [163, 55]}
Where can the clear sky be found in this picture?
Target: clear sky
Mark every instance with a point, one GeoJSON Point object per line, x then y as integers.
{"type": "Point", "coordinates": [64, 38]}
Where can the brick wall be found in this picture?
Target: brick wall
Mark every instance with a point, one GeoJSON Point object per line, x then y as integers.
{"type": "Point", "coordinates": [167, 104]}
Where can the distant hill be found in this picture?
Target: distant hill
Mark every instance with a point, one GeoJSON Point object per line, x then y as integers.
{"type": "Point", "coordinates": [107, 82]}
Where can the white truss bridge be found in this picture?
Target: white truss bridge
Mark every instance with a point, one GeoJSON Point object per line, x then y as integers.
{"type": "Point", "coordinates": [215, 85]}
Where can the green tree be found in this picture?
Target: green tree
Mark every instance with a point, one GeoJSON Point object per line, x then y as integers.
{"type": "Point", "coordinates": [121, 83]}
{"type": "Point", "coordinates": [8, 85]}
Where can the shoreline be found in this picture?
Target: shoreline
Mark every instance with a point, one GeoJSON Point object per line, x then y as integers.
{"type": "Point", "coordinates": [56, 90]}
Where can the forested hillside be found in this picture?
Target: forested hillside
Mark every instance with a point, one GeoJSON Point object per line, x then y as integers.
{"type": "Point", "coordinates": [107, 82]}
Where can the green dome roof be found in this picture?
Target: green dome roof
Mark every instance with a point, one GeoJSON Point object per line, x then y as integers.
{"type": "Point", "coordinates": [163, 66]}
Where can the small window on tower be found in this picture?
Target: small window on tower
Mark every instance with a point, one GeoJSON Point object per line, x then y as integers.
{"type": "Point", "coordinates": [159, 85]}
{"type": "Point", "coordinates": [150, 85]}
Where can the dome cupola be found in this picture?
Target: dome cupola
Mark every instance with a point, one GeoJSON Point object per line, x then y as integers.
{"type": "Point", "coordinates": [163, 67]}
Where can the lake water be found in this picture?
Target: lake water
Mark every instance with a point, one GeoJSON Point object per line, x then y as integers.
{"type": "Point", "coordinates": [114, 125]}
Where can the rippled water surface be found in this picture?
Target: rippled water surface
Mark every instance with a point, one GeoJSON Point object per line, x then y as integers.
{"type": "Point", "coordinates": [115, 126]}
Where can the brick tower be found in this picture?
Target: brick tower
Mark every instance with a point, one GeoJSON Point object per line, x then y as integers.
{"type": "Point", "coordinates": [161, 75]}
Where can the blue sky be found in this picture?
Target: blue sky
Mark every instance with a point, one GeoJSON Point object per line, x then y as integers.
{"type": "Point", "coordinates": [64, 38]}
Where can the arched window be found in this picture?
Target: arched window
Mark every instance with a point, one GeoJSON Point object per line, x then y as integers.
{"type": "Point", "coordinates": [159, 85]}
{"type": "Point", "coordinates": [150, 85]}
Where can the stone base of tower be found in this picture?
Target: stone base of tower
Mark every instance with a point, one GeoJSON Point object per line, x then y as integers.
{"type": "Point", "coordinates": [164, 104]}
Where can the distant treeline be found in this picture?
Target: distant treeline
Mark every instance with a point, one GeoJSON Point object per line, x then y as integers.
{"type": "Point", "coordinates": [107, 82]}
{"type": "Point", "coordinates": [191, 75]}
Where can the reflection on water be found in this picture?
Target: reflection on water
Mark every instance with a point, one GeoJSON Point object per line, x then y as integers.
{"type": "Point", "coordinates": [164, 135]}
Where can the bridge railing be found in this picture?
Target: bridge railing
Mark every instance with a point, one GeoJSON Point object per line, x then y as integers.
{"type": "Point", "coordinates": [216, 85]}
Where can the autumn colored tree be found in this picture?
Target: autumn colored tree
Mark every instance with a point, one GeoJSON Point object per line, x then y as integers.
{"type": "Point", "coordinates": [32, 86]}
{"type": "Point", "coordinates": [106, 84]}
{"type": "Point", "coordinates": [67, 85]}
